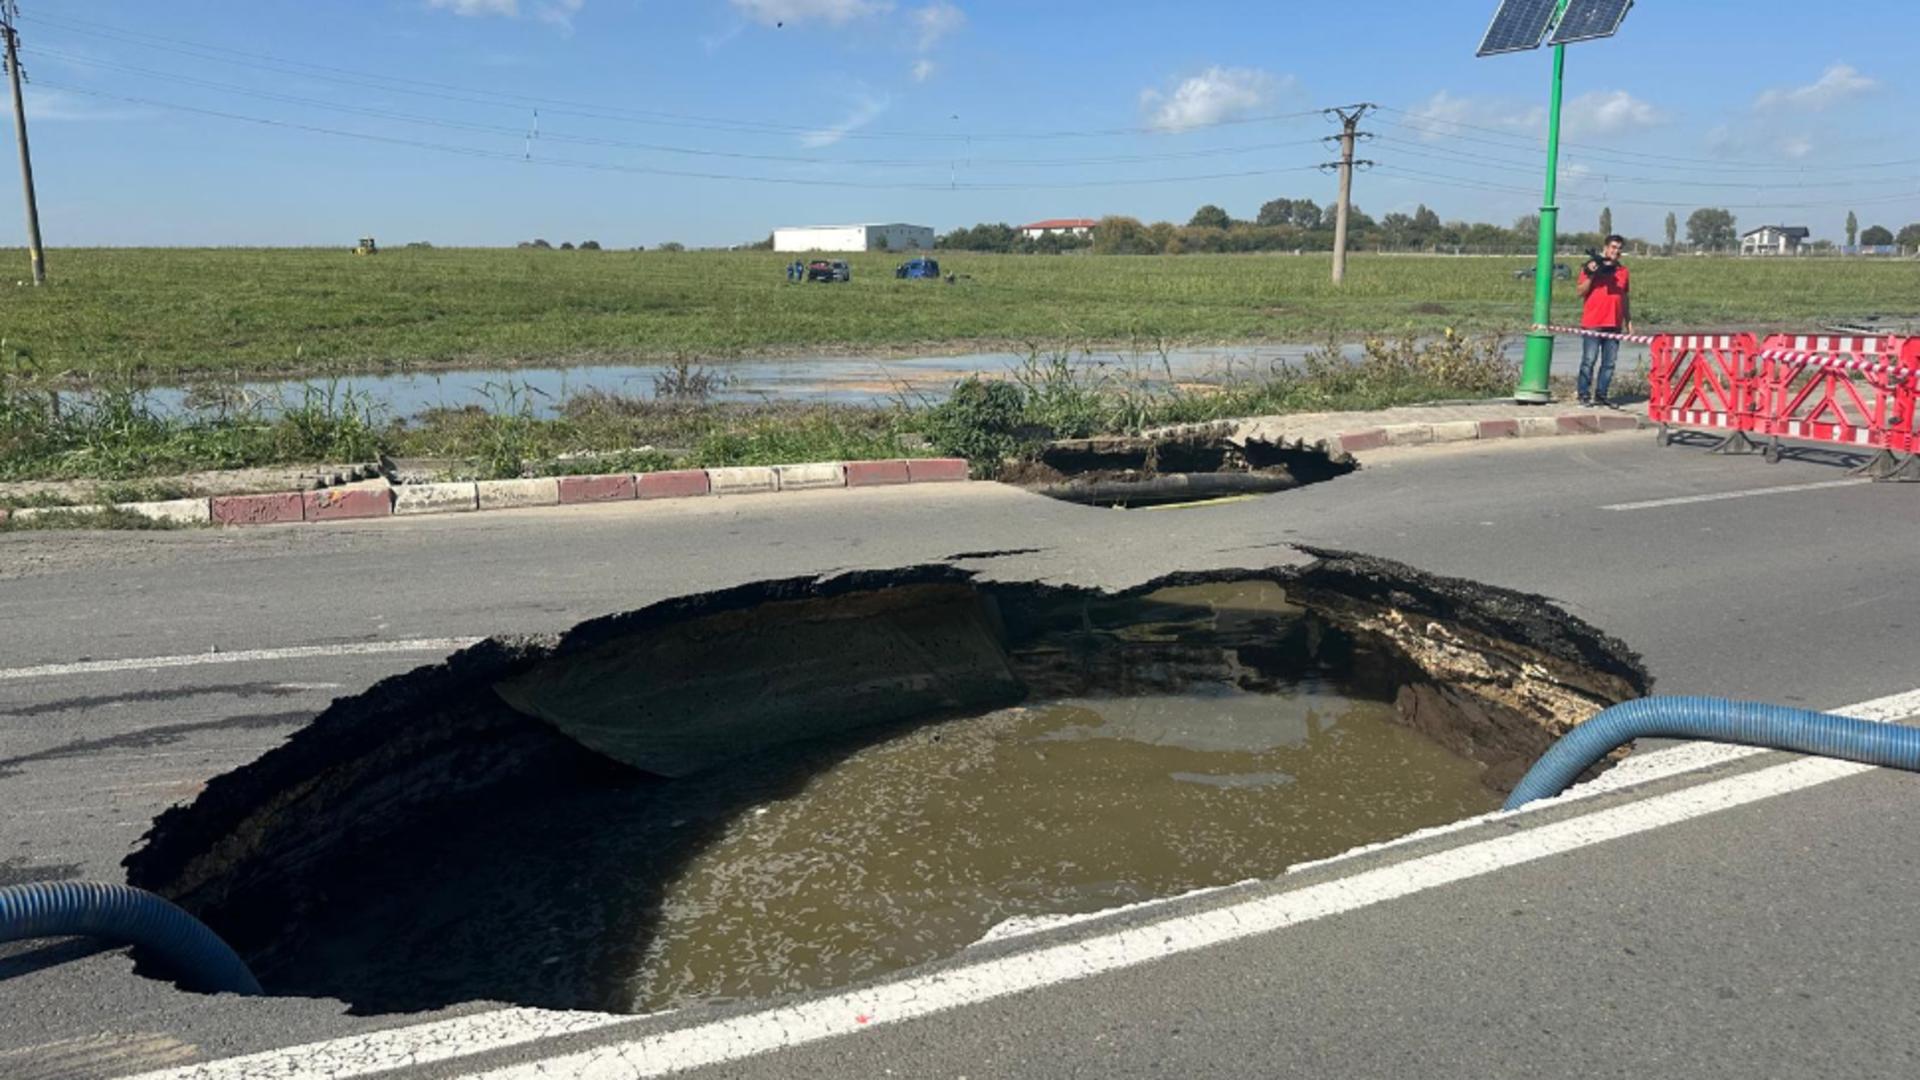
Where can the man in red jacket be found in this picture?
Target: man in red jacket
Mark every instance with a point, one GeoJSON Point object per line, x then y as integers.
{"type": "Point", "coordinates": [1603, 287]}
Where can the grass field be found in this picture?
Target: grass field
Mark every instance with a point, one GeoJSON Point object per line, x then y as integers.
{"type": "Point", "coordinates": [170, 314]}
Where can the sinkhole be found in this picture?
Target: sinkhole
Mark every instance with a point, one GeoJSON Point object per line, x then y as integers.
{"type": "Point", "coordinates": [799, 784]}
{"type": "Point", "coordinates": [1178, 465]}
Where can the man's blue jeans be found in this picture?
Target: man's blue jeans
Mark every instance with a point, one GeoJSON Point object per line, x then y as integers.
{"type": "Point", "coordinates": [1607, 350]}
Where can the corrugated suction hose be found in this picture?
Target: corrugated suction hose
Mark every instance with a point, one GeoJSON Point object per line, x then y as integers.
{"type": "Point", "coordinates": [1748, 723]}
{"type": "Point", "coordinates": [125, 915]}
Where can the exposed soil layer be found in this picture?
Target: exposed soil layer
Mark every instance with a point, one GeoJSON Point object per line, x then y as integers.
{"type": "Point", "coordinates": [509, 829]}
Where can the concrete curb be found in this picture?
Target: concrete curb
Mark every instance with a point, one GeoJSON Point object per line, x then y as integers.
{"type": "Point", "coordinates": [1456, 431]}
{"type": "Point", "coordinates": [406, 500]}
{"type": "Point", "coordinates": [368, 501]}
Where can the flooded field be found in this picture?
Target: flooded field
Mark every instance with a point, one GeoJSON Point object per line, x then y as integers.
{"type": "Point", "coordinates": [838, 380]}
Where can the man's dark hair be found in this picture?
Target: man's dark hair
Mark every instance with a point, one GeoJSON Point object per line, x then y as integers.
{"type": "Point", "coordinates": [1616, 238]}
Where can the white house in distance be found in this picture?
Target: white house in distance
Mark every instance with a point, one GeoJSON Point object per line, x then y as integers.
{"type": "Point", "coordinates": [1060, 226]}
{"type": "Point", "coordinates": [1774, 240]}
{"type": "Point", "coordinates": [853, 238]}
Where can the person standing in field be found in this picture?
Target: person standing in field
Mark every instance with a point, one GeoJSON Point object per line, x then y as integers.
{"type": "Point", "coordinates": [1603, 286]}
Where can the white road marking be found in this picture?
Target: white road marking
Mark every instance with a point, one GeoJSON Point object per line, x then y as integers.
{"type": "Point", "coordinates": [892, 1002]}
{"type": "Point", "coordinates": [1683, 500]}
{"type": "Point", "coordinates": [1645, 768]}
{"type": "Point", "coordinates": [243, 656]}
{"type": "Point", "coordinates": [889, 1003]}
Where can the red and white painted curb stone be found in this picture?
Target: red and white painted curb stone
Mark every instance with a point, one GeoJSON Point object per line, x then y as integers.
{"type": "Point", "coordinates": [374, 500]}
{"type": "Point", "coordinates": [371, 501]}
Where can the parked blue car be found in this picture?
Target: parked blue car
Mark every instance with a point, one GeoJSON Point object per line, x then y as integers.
{"type": "Point", "coordinates": [917, 268]}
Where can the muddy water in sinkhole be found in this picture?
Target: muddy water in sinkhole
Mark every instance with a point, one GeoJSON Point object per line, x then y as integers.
{"type": "Point", "coordinates": [1193, 736]}
{"type": "Point", "coordinates": [910, 850]}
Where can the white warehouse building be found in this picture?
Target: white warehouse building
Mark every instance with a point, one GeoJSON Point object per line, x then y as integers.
{"type": "Point", "coordinates": [853, 238]}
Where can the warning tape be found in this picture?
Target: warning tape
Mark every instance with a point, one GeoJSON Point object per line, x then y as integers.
{"type": "Point", "coordinates": [1637, 339]}
{"type": "Point", "coordinates": [1841, 363]}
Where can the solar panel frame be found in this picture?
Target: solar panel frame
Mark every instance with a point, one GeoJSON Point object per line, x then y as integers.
{"type": "Point", "coordinates": [1517, 26]}
{"type": "Point", "coordinates": [1588, 20]}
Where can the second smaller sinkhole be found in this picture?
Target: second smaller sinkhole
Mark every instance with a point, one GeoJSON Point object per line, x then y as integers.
{"type": "Point", "coordinates": [1182, 466]}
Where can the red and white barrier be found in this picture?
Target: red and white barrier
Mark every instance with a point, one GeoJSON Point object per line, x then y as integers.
{"type": "Point", "coordinates": [1844, 390]}
{"type": "Point", "coordinates": [1903, 429]}
{"type": "Point", "coordinates": [1704, 380]}
{"type": "Point", "coordinates": [1858, 392]}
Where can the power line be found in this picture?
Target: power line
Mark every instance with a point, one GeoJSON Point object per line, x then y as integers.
{"type": "Point", "coordinates": [518, 133]}
{"type": "Point", "coordinates": [1516, 140]}
{"type": "Point", "coordinates": [1403, 146]}
{"type": "Point", "coordinates": [560, 106]}
{"type": "Point", "coordinates": [1443, 179]}
{"type": "Point", "coordinates": [600, 166]}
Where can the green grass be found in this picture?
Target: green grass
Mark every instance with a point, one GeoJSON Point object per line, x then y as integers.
{"type": "Point", "coordinates": [114, 438]}
{"type": "Point", "coordinates": [168, 314]}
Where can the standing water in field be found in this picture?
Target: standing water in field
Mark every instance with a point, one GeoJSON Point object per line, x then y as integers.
{"type": "Point", "coordinates": [836, 380]}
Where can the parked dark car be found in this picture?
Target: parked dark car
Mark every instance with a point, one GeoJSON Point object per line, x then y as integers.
{"type": "Point", "coordinates": [1561, 272]}
{"type": "Point", "coordinates": [918, 268]}
{"type": "Point", "coordinates": [829, 270]}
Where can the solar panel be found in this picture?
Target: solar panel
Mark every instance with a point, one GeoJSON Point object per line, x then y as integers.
{"type": "Point", "coordinates": [1589, 19]}
{"type": "Point", "coordinates": [1517, 26]}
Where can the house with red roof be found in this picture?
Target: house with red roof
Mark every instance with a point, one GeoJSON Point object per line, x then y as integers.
{"type": "Point", "coordinates": [1059, 227]}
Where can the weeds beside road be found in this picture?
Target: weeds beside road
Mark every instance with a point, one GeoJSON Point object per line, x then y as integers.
{"type": "Point", "coordinates": [114, 437]}
{"type": "Point", "coordinates": [160, 315]}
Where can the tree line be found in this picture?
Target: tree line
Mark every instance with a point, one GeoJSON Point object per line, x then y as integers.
{"type": "Point", "coordinates": [1304, 225]}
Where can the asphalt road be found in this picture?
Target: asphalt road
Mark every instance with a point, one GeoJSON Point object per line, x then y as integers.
{"type": "Point", "coordinates": [1770, 938]}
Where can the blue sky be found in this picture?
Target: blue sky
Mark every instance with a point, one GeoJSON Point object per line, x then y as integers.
{"type": "Point", "coordinates": [712, 121]}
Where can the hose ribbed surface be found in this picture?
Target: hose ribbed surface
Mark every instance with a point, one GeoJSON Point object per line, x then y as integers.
{"type": "Point", "coordinates": [1748, 723]}
{"type": "Point", "coordinates": [125, 916]}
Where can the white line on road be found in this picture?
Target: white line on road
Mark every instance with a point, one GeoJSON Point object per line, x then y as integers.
{"type": "Point", "coordinates": [244, 656]}
{"type": "Point", "coordinates": [1654, 504]}
{"type": "Point", "coordinates": [892, 1002]}
{"type": "Point", "coordinates": [862, 1010]}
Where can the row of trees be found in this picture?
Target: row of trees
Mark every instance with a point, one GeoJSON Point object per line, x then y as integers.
{"type": "Point", "coordinates": [1880, 235]}
{"type": "Point", "coordinates": [538, 244]}
{"type": "Point", "coordinates": [1281, 225]}
{"type": "Point", "coordinates": [1304, 225]}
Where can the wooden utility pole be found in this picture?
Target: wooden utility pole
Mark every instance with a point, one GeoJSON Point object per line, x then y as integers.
{"type": "Point", "coordinates": [1350, 134]}
{"type": "Point", "coordinates": [8, 12]}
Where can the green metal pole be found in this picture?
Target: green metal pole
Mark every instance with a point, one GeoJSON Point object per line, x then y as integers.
{"type": "Point", "coordinates": [1534, 372]}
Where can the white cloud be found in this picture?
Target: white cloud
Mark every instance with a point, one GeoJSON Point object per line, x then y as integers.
{"type": "Point", "coordinates": [923, 69]}
{"type": "Point", "coordinates": [1444, 115]}
{"type": "Point", "coordinates": [865, 112]}
{"type": "Point", "coordinates": [1610, 112]}
{"type": "Point", "coordinates": [1214, 95]}
{"type": "Point", "coordinates": [55, 106]}
{"type": "Point", "coordinates": [1746, 140]}
{"type": "Point", "coordinates": [1838, 84]}
{"type": "Point", "coordinates": [775, 12]}
{"type": "Point", "coordinates": [509, 8]}
{"type": "Point", "coordinates": [1759, 141]}
{"type": "Point", "coordinates": [560, 12]}
{"type": "Point", "coordinates": [936, 21]}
